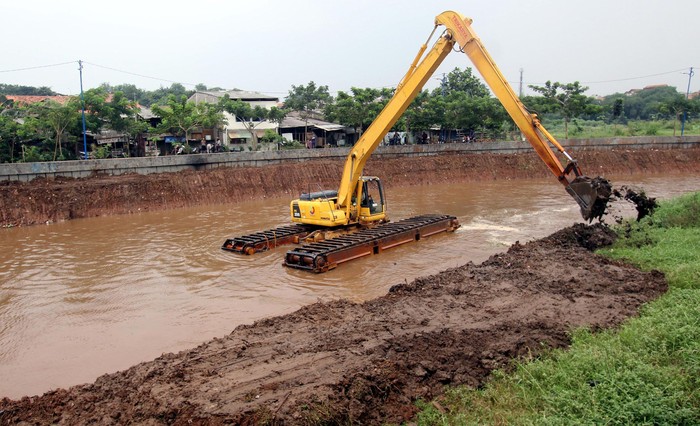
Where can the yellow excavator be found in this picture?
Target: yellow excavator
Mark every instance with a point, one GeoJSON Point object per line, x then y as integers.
{"type": "Point", "coordinates": [360, 202]}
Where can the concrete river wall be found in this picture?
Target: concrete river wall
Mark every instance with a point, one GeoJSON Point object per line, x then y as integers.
{"type": "Point", "coordinates": [174, 163]}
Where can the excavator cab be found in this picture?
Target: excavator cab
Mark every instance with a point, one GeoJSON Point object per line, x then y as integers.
{"type": "Point", "coordinates": [372, 201]}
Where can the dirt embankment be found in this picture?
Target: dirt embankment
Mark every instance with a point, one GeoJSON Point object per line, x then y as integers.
{"type": "Point", "coordinates": [51, 200]}
{"type": "Point", "coordinates": [366, 363]}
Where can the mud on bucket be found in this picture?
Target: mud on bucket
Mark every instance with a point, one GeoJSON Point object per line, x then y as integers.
{"type": "Point", "coordinates": [592, 195]}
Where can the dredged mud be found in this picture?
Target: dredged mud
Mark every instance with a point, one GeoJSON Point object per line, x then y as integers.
{"type": "Point", "coordinates": [367, 363]}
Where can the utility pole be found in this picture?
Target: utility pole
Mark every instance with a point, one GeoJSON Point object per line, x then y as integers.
{"type": "Point", "coordinates": [520, 95]}
{"type": "Point", "coordinates": [520, 91]}
{"type": "Point", "coordinates": [82, 101]}
{"type": "Point", "coordinates": [443, 84]}
{"type": "Point", "coordinates": [687, 95]}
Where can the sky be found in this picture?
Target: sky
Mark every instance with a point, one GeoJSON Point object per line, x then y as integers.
{"type": "Point", "coordinates": [269, 45]}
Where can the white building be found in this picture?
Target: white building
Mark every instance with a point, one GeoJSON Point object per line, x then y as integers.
{"type": "Point", "coordinates": [236, 134]}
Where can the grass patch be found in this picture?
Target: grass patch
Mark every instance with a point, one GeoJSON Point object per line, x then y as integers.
{"type": "Point", "coordinates": [599, 129]}
{"type": "Point", "coordinates": [648, 372]}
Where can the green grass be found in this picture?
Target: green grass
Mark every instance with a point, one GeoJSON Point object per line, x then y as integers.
{"type": "Point", "coordinates": [598, 129]}
{"type": "Point", "coordinates": [647, 372]}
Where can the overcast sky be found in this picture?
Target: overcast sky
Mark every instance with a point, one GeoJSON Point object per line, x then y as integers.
{"type": "Point", "coordinates": [269, 45]}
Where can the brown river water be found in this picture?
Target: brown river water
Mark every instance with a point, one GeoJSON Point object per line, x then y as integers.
{"type": "Point", "coordinates": [87, 297]}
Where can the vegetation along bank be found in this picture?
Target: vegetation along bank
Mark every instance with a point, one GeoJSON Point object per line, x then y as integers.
{"type": "Point", "coordinates": [647, 372]}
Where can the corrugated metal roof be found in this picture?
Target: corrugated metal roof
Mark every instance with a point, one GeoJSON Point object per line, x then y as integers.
{"type": "Point", "coordinates": [295, 121]}
{"type": "Point", "coordinates": [146, 113]}
{"type": "Point", "coordinates": [208, 96]}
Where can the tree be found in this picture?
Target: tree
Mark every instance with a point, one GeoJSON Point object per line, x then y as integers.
{"type": "Point", "coordinates": [420, 113]}
{"type": "Point", "coordinates": [34, 135]}
{"type": "Point", "coordinates": [567, 99]}
{"type": "Point", "coordinates": [119, 114]}
{"type": "Point", "coordinates": [201, 87]}
{"type": "Point", "coordinates": [8, 138]}
{"type": "Point", "coordinates": [473, 113]}
{"type": "Point", "coordinates": [13, 89]}
{"type": "Point", "coordinates": [358, 109]}
{"type": "Point", "coordinates": [464, 81]}
{"type": "Point", "coordinates": [161, 95]}
{"type": "Point", "coordinates": [130, 91]}
{"type": "Point", "coordinates": [676, 106]}
{"type": "Point", "coordinates": [58, 118]}
{"type": "Point", "coordinates": [618, 109]}
{"type": "Point", "coordinates": [276, 115]}
{"type": "Point", "coordinates": [643, 104]}
{"type": "Point", "coordinates": [180, 117]}
{"type": "Point", "coordinates": [306, 100]}
{"type": "Point", "coordinates": [250, 116]}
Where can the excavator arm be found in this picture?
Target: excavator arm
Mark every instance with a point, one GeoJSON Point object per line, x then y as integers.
{"type": "Point", "coordinates": [591, 194]}
{"type": "Point", "coordinates": [405, 93]}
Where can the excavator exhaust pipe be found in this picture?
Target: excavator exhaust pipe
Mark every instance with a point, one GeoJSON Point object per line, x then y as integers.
{"type": "Point", "coordinates": [592, 195]}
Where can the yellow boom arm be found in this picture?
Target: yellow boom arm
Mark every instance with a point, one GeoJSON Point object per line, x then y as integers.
{"type": "Point", "coordinates": [459, 31]}
{"type": "Point", "coordinates": [460, 28]}
{"type": "Point", "coordinates": [407, 90]}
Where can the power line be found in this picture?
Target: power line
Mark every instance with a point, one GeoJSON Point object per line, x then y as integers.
{"type": "Point", "coordinates": [388, 86]}
{"type": "Point", "coordinates": [139, 75]}
{"type": "Point", "coordinates": [621, 79]}
{"type": "Point", "coordinates": [633, 78]}
{"type": "Point", "coordinates": [39, 66]}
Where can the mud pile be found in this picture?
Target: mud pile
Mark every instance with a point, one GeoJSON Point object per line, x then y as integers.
{"type": "Point", "coordinates": [367, 363]}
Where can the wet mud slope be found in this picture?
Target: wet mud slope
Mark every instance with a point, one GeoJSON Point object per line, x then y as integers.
{"type": "Point", "coordinates": [54, 200]}
{"type": "Point", "coordinates": [367, 363]}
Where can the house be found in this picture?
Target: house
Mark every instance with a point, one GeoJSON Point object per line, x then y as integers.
{"type": "Point", "coordinates": [237, 133]}
{"type": "Point", "coordinates": [327, 133]}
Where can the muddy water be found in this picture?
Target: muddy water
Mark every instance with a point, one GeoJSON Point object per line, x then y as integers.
{"type": "Point", "coordinates": [88, 297]}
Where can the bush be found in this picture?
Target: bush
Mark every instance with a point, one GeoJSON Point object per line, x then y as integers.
{"type": "Point", "coordinates": [683, 212]}
{"type": "Point", "coordinates": [100, 151]}
{"type": "Point", "coordinates": [292, 145]}
{"type": "Point", "coordinates": [271, 136]}
{"type": "Point", "coordinates": [652, 129]}
{"type": "Point", "coordinates": [34, 154]}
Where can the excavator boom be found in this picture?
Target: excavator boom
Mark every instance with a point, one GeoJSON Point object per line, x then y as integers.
{"type": "Point", "coordinates": [592, 195]}
{"type": "Point", "coordinates": [407, 90]}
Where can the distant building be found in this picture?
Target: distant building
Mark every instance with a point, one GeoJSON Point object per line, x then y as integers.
{"type": "Point", "coordinates": [327, 133]}
{"type": "Point", "coordinates": [235, 133]}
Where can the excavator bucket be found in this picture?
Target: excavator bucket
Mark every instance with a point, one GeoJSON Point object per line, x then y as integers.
{"type": "Point", "coordinates": [592, 195]}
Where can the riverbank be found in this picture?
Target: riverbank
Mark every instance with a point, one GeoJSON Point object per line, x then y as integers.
{"type": "Point", "coordinates": [645, 373]}
{"type": "Point", "coordinates": [53, 200]}
{"type": "Point", "coordinates": [341, 362]}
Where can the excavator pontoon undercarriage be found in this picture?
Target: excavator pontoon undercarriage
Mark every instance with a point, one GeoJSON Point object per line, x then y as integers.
{"type": "Point", "coordinates": [324, 255]}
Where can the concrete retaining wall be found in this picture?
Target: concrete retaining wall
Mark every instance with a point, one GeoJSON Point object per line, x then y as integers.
{"type": "Point", "coordinates": [175, 163]}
